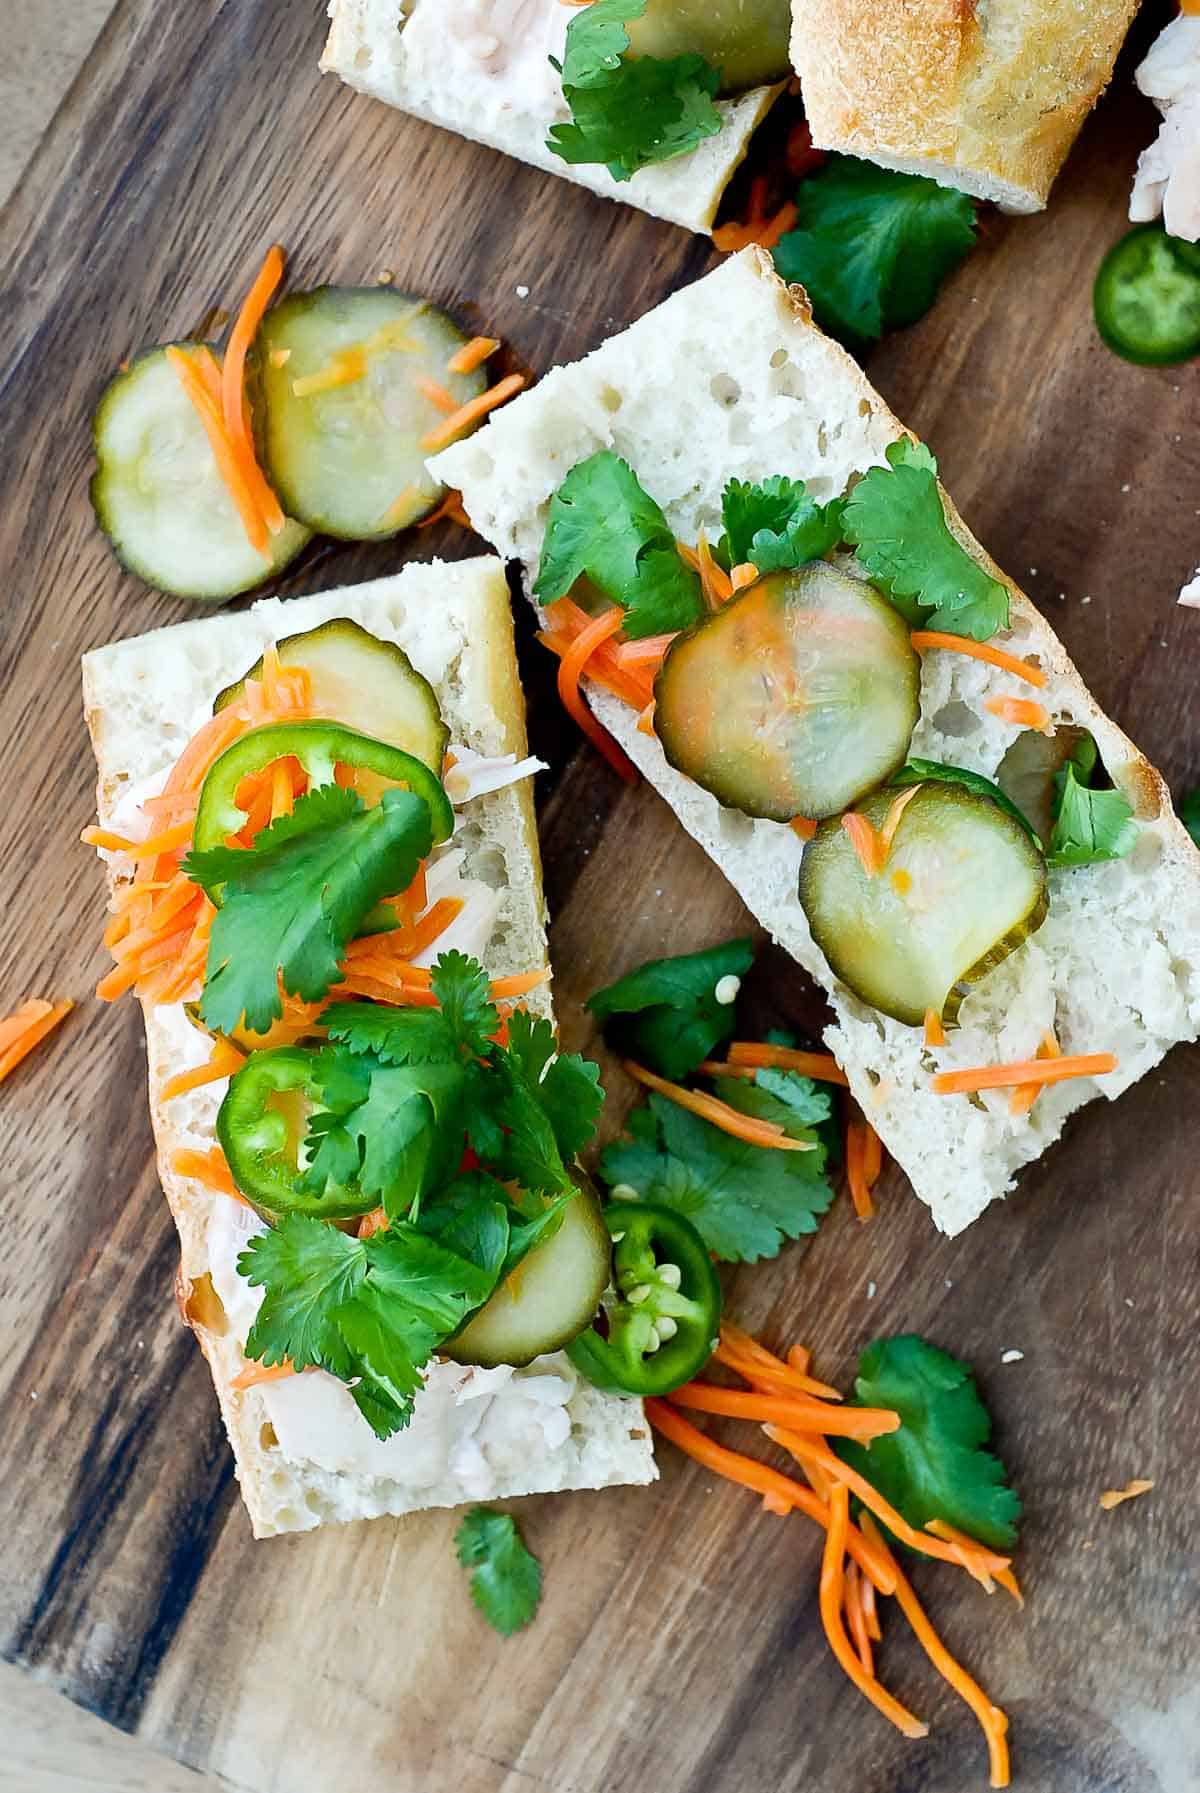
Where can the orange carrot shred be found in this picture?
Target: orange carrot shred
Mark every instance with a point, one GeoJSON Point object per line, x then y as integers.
{"type": "Point", "coordinates": [460, 421]}
{"type": "Point", "coordinates": [979, 650]}
{"type": "Point", "coordinates": [209, 1168]}
{"type": "Point", "coordinates": [170, 838]}
{"type": "Point", "coordinates": [714, 580]}
{"type": "Point", "coordinates": [1022, 712]}
{"type": "Point", "coordinates": [856, 1617]}
{"type": "Point", "coordinates": [1031, 1071]}
{"type": "Point", "coordinates": [452, 507]}
{"type": "Point", "coordinates": [439, 398]}
{"type": "Point", "coordinates": [935, 1033]}
{"type": "Point", "coordinates": [860, 1189]}
{"type": "Point", "coordinates": [33, 1021]}
{"type": "Point", "coordinates": [721, 1114]}
{"type": "Point", "coordinates": [872, 1155]}
{"type": "Point", "coordinates": [228, 463]}
{"type": "Point", "coordinates": [745, 573]}
{"type": "Point", "coordinates": [570, 669]}
{"type": "Point", "coordinates": [832, 1570]}
{"type": "Point", "coordinates": [891, 821]}
{"type": "Point", "coordinates": [473, 354]}
{"type": "Point", "coordinates": [798, 1413]}
{"type": "Point", "coordinates": [803, 827]}
{"type": "Point", "coordinates": [773, 1375]}
{"type": "Point", "coordinates": [645, 721]}
{"type": "Point", "coordinates": [374, 1222]}
{"type": "Point", "coordinates": [865, 841]}
{"type": "Point", "coordinates": [224, 1061]}
{"type": "Point", "coordinates": [1025, 1095]}
{"type": "Point", "coordinates": [822, 1067]}
{"type": "Point", "coordinates": [234, 405]}
{"type": "Point", "coordinates": [256, 1373]}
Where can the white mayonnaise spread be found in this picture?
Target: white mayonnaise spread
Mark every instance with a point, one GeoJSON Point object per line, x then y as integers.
{"type": "Point", "coordinates": [1167, 182]}
{"type": "Point", "coordinates": [501, 46]}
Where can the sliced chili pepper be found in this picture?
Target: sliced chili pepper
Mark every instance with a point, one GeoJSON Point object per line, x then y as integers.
{"type": "Point", "coordinates": [1147, 298]}
{"type": "Point", "coordinates": [664, 1316]}
{"type": "Point", "coordinates": [261, 1125]}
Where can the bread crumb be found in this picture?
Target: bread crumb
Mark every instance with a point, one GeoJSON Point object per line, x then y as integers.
{"type": "Point", "coordinates": [522, 292]}
{"type": "Point", "coordinates": [1127, 487]}
{"type": "Point", "coordinates": [870, 1291]}
{"type": "Point", "coordinates": [1012, 1357]}
{"type": "Point", "coordinates": [1113, 1497]}
{"type": "Point", "coordinates": [384, 277]}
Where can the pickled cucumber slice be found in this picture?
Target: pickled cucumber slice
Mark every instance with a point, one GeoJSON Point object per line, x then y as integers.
{"type": "Point", "coordinates": [345, 452]}
{"type": "Point", "coordinates": [549, 1298]}
{"type": "Point", "coordinates": [963, 886]}
{"type": "Point", "coordinates": [794, 699]}
{"type": "Point", "coordinates": [159, 497]}
{"type": "Point", "coordinates": [367, 684]}
{"type": "Point", "coordinates": [746, 39]}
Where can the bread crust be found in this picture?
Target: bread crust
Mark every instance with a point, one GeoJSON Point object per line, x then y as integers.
{"type": "Point", "coordinates": [986, 95]}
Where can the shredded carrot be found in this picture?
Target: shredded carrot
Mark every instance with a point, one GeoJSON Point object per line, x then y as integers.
{"type": "Point", "coordinates": [775, 1503]}
{"type": "Point", "coordinates": [346, 368]}
{"type": "Point", "coordinates": [234, 404]}
{"type": "Point", "coordinates": [822, 1067]}
{"type": "Point", "coordinates": [279, 357]}
{"type": "Point", "coordinates": [935, 1033]}
{"type": "Point", "coordinates": [224, 1061]}
{"type": "Point", "coordinates": [923, 639]}
{"type": "Point", "coordinates": [1022, 712]}
{"type": "Point", "coordinates": [757, 227]}
{"type": "Point", "coordinates": [452, 507]}
{"type": "Point", "coordinates": [721, 1114]}
{"type": "Point", "coordinates": [25, 1029]}
{"type": "Point", "coordinates": [645, 721]}
{"type": "Point", "coordinates": [374, 1222]}
{"type": "Point", "coordinates": [439, 398]}
{"type": "Point", "coordinates": [800, 155]}
{"type": "Point", "coordinates": [399, 508]}
{"type": "Point", "coordinates": [803, 827]}
{"type": "Point", "coordinates": [993, 1722]}
{"type": "Point", "coordinates": [257, 1373]}
{"type": "Point", "coordinates": [633, 687]}
{"type": "Point", "coordinates": [1025, 1095]}
{"type": "Point", "coordinates": [570, 669]}
{"type": "Point", "coordinates": [473, 354]}
{"type": "Point", "coordinates": [648, 651]}
{"type": "Point", "coordinates": [872, 1155]}
{"type": "Point", "coordinates": [764, 1480]}
{"type": "Point", "coordinates": [177, 836]}
{"type": "Point", "coordinates": [856, 1616]}
{"type": "Point", "coordinates": [1115, 1497]}
{"type": "Point", "coordinates": [773, 1374]}
{"type": "Point", "coordinates": [832, 1569]}
{"type": "Point", "coordinates": [1004, 1577]}
{"type": "Point", "coordinates": [891, 821]}
{"type": "Point", "coordinates": [1032, 1071]}
{"type": "Point", "coordinates": [228, 464]}
{"type": "Point", "coordinates": [856, 1178]}
{"type": "Point", "coordinates": [206, 745]}
{"type": "Point", "coordinates": [209, 1168]}
{"type": "Point", "coordinates": [460, 421]}
{"type": "Point", "coordinates": [796, 1449]}
{"type": "Point", "coordinates": [742, 575]}
{"type": "Point", "coordinates": [520, 984]}
{"type": "Point", "coordinates": [714, 580]}
{"type": "Point", "coordinates": [865, 841]}
{"type": "Point", "coordinates": [799, 1413]}
{"type": "Point", "coordinates": [870, 1610]}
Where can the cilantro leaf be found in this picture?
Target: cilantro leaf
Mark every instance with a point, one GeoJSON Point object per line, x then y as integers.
{"type": "Point", "coordinates": [567, 1086]}
{"type": "Point", "coordinates": [506, 1583]}
{"type": "Point", "coordinates": [744, 1200]}
{"type": "Point", "coordinates": [511, 1131]}
{"type": "Point", "coordinates": [1189, 814]}
{"type": "Point", "coordinates": [471, 1216]}
{"type": "Point", "coordinates": [395, 1036]}
{"type": "Point", "coordinates": [604, 527]}
{"type": "Point", "coordinates": [308, 1270]}
{"type": "Point", "coordinates": [934, 772]}
{"type": "Point", "coordinates": [1090, 826]}
{"type": "Point", "coordinates": [628, 112]}
{"type": "Point", "coordinates": [666, 1014]}
{"type": "Point", "coordinates": [292, 902]}
{"type": "Point", "coordinates": [872, 247]}
{"type": "Point", "coordinates": [776, 524]}
{"type": "Point", "coordinates": [895, 519]}
{"type": "Point", "coordinates": [795, 1102]}
{"type": "Point", "coordinates": [464, 995]}
{"type": "Point", "coordinates": [410, 1129]}
{"type": "Point", "coordinates": [935, 1466]}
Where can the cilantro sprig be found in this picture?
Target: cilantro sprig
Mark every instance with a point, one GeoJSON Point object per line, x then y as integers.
{"type": "Point", "coordinates": [628, 112]}
{"type": "Point", "coordinates": [895, 520]}
{"type": "Point", "coordinates": [506, 1578]}
{"type": "Point", "coordinates": [776, 524]}
{"type": "Point", "coordinates": [1090, 825]}
{"type": "Point", "coordinates": [935, 1466]}
{"type": "Point", "coordinates": [1189, 814]}
{"type": "Point", "coordinates": [667, 1014]}
{"type": "Point", "coordinates": [605, 527]}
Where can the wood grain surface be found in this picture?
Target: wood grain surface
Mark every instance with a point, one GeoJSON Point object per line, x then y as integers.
{"type": "Point", "coordinates": [679, 1648]}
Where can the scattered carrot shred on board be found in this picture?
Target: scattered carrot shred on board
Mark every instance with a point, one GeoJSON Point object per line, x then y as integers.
{"type": "Point", "coordinates": [865, 841]}
{"type": "Point", "coordinates": [979, 650]}
{"type": "Point", "coordinates": [796, 1412]}
{"type": "Point", "coordinates": [721, 1114]}
{"type": "Point", "coordinates": [1022, 712]}
{"type": "Point", "coordinates": [822, 1067]}
{"type": "Point", "coordinates": [224, 1061]}
{"type": "Point", "coordinates": [1115, 1497]}
{"type": "Point", "coordinates": [993, 1722]}
{"type": "Point", "coordinates": [856, 1616]}
{"type": "Point", "coordinates": [832, 1570]}
{"type": "Point", "coordinates": [1003, 1577]}
{"type": "Point", "coordinates": [935, 1033]}
{"type": "Point", "coordinates": [766, 1371]}
{"type": "Point", "coordinates": [1031, 1071]}
{"type": "Point", "coordinates": [856, 1176]}
{"type": "Point", "coordinates": [472, 354]}
{"type": "Point", "coordinates": [21, 1031]}
{"type": "Point", "coordinates": [461, 420]}
{"type": "Point", "coordinates": [234, 403]}
{"type": "Point", "coordinates": [1026, 1094]}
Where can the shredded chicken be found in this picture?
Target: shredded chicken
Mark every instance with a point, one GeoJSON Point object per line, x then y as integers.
{"type": "Point", "coordinates": [1167, 182]}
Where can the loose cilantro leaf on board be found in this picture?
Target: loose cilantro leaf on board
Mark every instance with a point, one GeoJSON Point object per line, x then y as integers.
{"type": "Point", "coordinates": [666, 1013]}
{"type": "Point", "coordinates": [776, 524]}
{"type": "Point", "coordinates": [604, 527]}
{"type": "Point", "coordinates": [1189, 814]}
{"type": "Point", "coordinates": [935, 1466]}
{"type": "Point", "coordinates": [934, 772]}
{"type": "Point", "coordinates": [292, 902]}
{"type": "Point", "coordinates": [796, 1103]}
{"type": "Point", "coordinates": [744, 1200]}
{"type": "Point", "coordinates": [1090, 825]}
{"type": "Point", "coordinates": [627, 112]}
{"type": "Point", "coordinates": [506, 1579]}
{"type": "Point", "coordinates": [896, 522]}
{"type": "Point", "coordinates": [872, 246]}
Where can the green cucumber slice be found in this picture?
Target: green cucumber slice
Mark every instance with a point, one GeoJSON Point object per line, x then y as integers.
{"type": "Point", "coordinates": [794, 699]}
{"type": "Point", "coordinates": [367, 684]}
{"type": "Point", "coordinates": [348, 459]}
{"type": "Point", "coordinates": [549, 1298]}
{"type": "Point", "coordinates": [963, 886]}
{"type": "Point", "coordinates": [159, 498]}
{"type": "Point", "coordinates": [747, 40]}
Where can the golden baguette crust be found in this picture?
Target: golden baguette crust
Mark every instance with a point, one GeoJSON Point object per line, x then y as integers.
{"type": "Point", "coordinates": [986, 95]}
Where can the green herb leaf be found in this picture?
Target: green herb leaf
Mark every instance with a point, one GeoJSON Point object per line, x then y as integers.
{"type": "Point", "coordinates": [1090, 826]}
{"type": "Point", "coordinates": [895, 519]}
{"type": "Point", "coordinates": [394, 1036]}
{"type": "Point", "coordinates": [935, 1466]}
{"type": "Point", "coordinates": [628, 112]}
{"type": "Point", "coordinates": [776, 524]}
{"type": "Point", "coordinates": [464, 994]}
{"type": "Point", "coordinates": [666, 1014]}
{"type": "Point", "coordinates": [1189, 814]}
{"type": "Point", "coordinates": [744, 1200]}
{"type": "Point", "coordinates": [567, 1086]}
{"type": "Point", "coordinates": [506, 1583]}
{"type": "Point", "coordinates": [604, 527]}
{"type": "Point", "coordinates": [872, 246]}
{"type": "Point", "coordinates": [292, 902]}
{"type": "Point", "coordinates": [934, 772]}
{"type": "Point", "coordinates": [795, 1103]}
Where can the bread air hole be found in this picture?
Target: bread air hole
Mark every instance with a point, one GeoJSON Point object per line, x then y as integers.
{"type": "Point", "coordinates": [610, 398]}
{"type": "Point", "coordinates": [957, 720]}
{"type": "Point", "coordinates": [267, 1437]}
{"type": "Point", "coordinates": [725, 389]}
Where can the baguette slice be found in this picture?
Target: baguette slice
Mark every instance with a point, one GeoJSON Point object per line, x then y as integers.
{"type": "Point", "coordinates": [731, 378]}
{"type": "Point", "coordinates": [985, 98]}
{"type": "Point", "coordinates": [144, 698]}
{"type": "Point", "coordinates": [435, 76]}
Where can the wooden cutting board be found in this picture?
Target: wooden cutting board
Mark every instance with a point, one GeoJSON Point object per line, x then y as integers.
{"type": "Point", "coordinates": [679, 1645]}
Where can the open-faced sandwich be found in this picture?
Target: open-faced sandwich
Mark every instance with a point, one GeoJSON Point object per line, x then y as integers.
{"type": "Point", "coordinates": [780, 617]}
{"type": "Point", "coordinates": [325, 891]}
{"type": "Point", "coordinates": [655, 101]}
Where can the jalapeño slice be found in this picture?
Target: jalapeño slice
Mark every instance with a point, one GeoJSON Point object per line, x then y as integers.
{"type": "Point", "coordinates": [963, 885]}
{"type": "Point", "coordinates": [365, 683]}
{"type": "Point", "coordinates": [261, 1125]}
{"type": "Point", "coordinates": [747, 40]}
{"type": "Point", "coordinates": [1147, 298]}
{"type": "Point", "coordinates": [794, 699]}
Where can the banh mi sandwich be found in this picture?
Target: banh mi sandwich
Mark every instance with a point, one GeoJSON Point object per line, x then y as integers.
{"type": "Point", "coordinates": [987, 98]}
{"type": "Point", "coordinates": [876, 737]}
{"type": "Point", "coordinates": [346, 776]}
